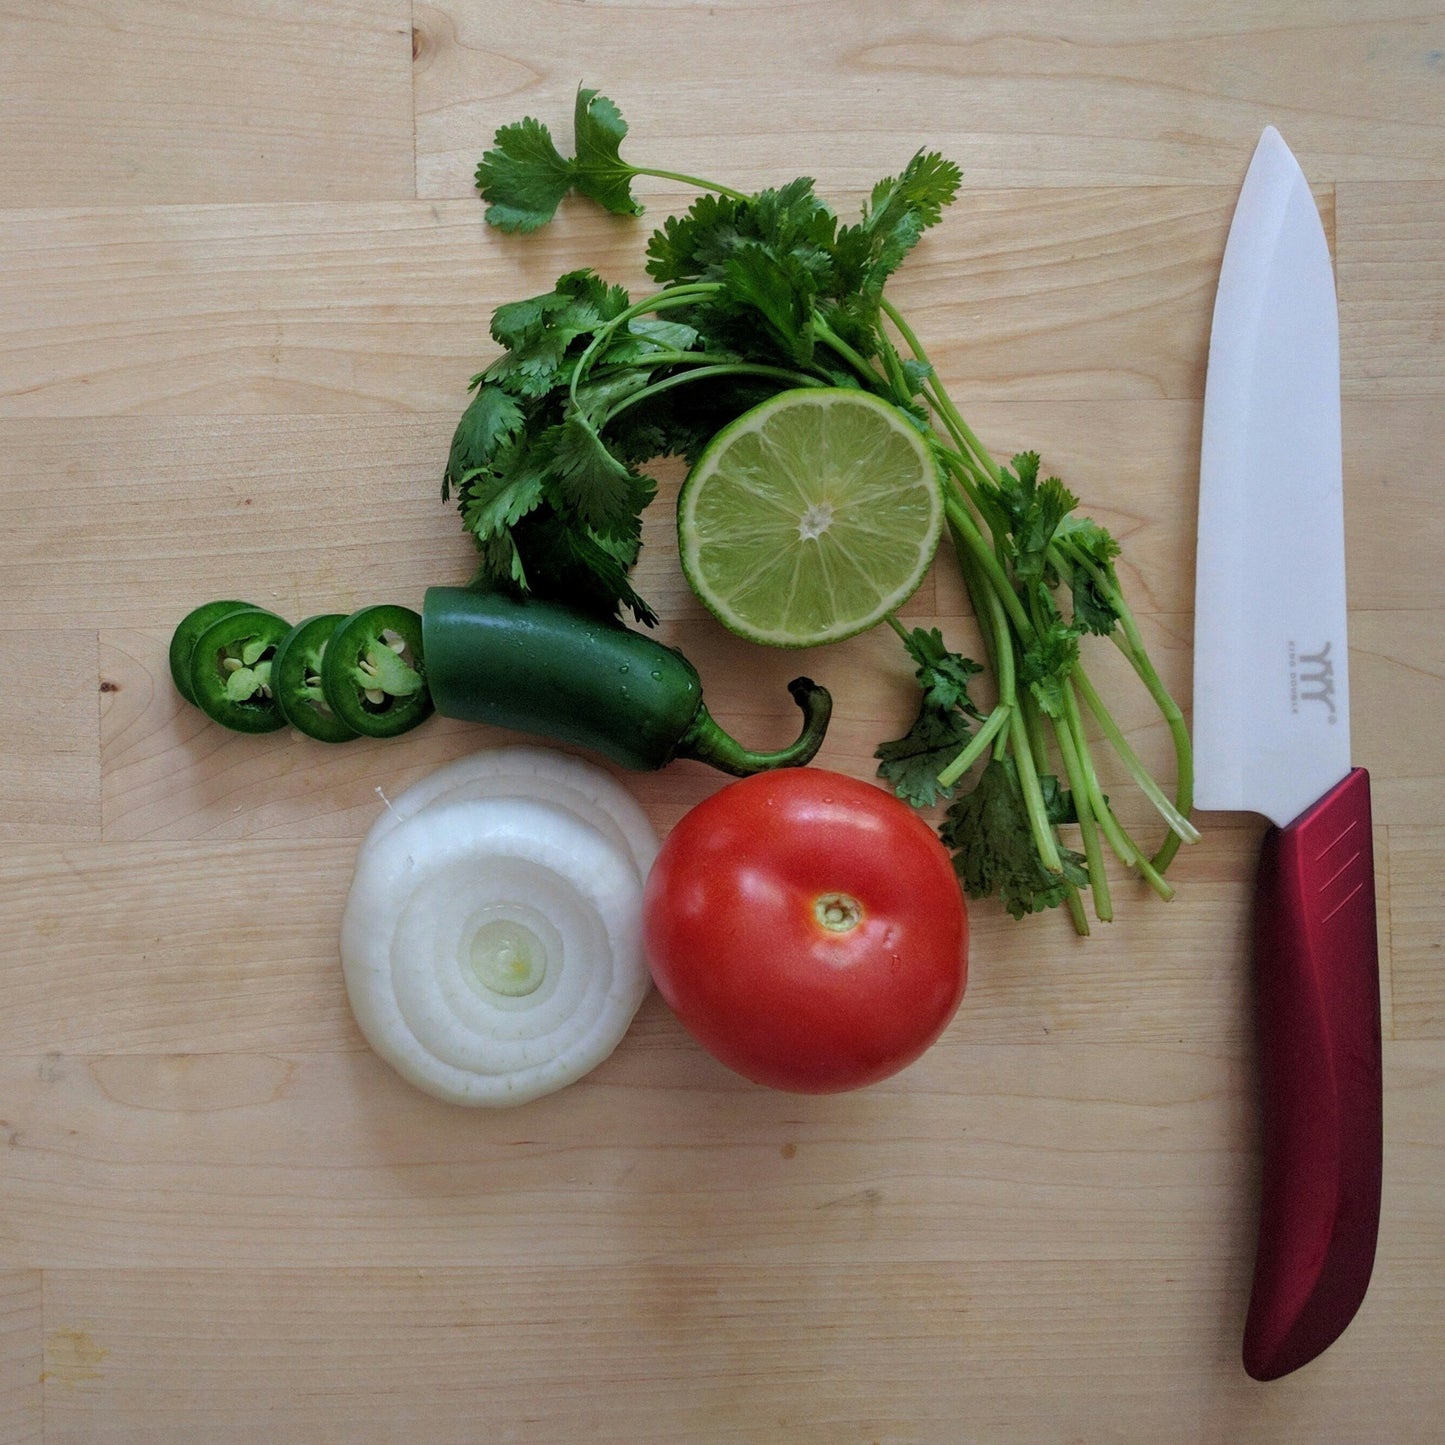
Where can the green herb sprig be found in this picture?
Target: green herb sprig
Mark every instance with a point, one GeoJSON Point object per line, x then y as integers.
{"type": "Point", "coordinates": [761, 292]}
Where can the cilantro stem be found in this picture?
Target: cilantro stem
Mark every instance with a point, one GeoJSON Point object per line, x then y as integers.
{"type": "Point", "coordinates": [956, 424]}
{"type": "Point", "coordinates": [696, 182]}
{"type": "Point", "coordinates": [978, 745]}
{"type": "Point", "coordinates": [1144, 867]}
{"type": "Point", "coordinates": [672, 298]}
{"type": "Point", "coordinates": [1088, 775]}
{"type": "Point", "coordinates": [1127, 849]}
{"type": "Point", "coordinates": [1084, 788]}
{"type": "Point", "coordinates": [669, 356]}
{"type": "Point", "coordinates": [900, 323]}
{"type": "Point", "coordinates": [936, 393]}
{"type": "Point", "coordinates": [996, 612]}
{"type": "Point", "coordinates": [972, 470]}
{"type": "Point", "coordinates": [893, 368]}
{"type": "Point", "coordinates": [966, 473]}
{"type": "Point", "coordinates": [983, 555]}
{"type": "Point", "coordinates": [1178, 823]}
{"type": "Point", "coordinates": [1131, 644]}
{"type": "Point", "coordinates": [860, 363]}
{"type": "Point", "coordinates": [711, 373]}
{"type": "Point", "coordinates": [1039, 825]}
{"type": "Point", "coordinates": [1038, 740]}
{"type": "Point", "coordinates": [1076, 911]}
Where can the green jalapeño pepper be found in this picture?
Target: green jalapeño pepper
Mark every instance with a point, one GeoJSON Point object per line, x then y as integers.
{"type": "Point", "coordinates": [373, 673]}
{"type": "Point", "coordinates": [541, 668]}
{"type": "Point", "coordinates": [230, 670]}
{"type": "Point", "coordinates": [183, 640]}
{"type": "Point", "coordinates": [296, 680]}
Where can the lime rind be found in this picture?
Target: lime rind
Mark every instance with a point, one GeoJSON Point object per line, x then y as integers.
{"type": "Point", "coordinates": [811, 517]}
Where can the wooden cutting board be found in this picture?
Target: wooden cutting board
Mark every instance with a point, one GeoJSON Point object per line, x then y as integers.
{"type": "Point", "coordinates": [244, 281]}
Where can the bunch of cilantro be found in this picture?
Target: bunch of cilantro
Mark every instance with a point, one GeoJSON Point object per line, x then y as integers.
{"type": "Point", "coordinates": [757, 293]}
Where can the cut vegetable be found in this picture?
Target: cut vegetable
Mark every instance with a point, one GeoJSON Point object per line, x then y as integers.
{"type": "Point", "coordinates": [811, 517]}
{"type": "Point", "coordinates": [296, 680]}
{"type": "Point", "coordinates": [188, 632]}
{"type": "Point", "coordinates": [491, 948]}
{"type": "Point", "coordinates": [591, 794]}
{"type": "Point", "coordinates": [372, 674]}
{"type": "Point", "coordinates": [230, 670]}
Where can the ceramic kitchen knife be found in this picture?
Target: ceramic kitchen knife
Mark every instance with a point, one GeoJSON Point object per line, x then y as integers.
{"type": "Point", "coordinates": [1272, 735]}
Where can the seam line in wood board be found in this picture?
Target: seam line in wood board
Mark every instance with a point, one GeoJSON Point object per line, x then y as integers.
{"type": "Point", "coordinates": [411, 78]}
{"type": "Point", "coordinates": [98, 818]}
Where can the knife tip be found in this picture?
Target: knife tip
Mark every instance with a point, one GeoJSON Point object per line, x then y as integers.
{"type": "Point", "coordinates": [1272, 146]}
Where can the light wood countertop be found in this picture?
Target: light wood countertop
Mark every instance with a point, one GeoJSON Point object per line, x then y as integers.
{"type": "Point", "coordinates": [244, 281]}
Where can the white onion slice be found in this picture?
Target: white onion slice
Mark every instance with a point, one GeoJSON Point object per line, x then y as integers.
{"type": "Point", "coordinates": [590, 792]}
{"type": "Point", "coordinates": [491, 948]}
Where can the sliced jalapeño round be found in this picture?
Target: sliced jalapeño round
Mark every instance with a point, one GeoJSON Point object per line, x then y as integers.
{"type": "Point", "coordinates": [183, 640]}
{"type": "Point", "coordinates": [373, 673]}
{"type": "Point", "coordinates": [231, 670]}
{"type": "Point", "coordinates": [296, 679]}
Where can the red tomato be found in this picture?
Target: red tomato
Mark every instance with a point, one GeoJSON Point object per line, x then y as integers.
{"type": "Point", "coordinates": [807, 929]}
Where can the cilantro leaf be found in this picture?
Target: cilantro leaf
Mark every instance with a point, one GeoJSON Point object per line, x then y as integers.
{"type": "Point", "coordinates": [599, 172]}
{"type": "Point", "coordinates": [499, 563]}
{"type": "Point", "coordinates": [580, 300]}
{"type": "Point", "coordinates": [524, 177]}
{"type": "Point", "coordinates": [1094, 609]}
{"type": "Point", "coordinates": [491, 419]}
{"type": "Point", "coordinates": [769, 255]}
{"type": "Point", "coordinates": [865, 255]}
{"type": "Point", "coordinates": [494, 498]}
{"type": "Point", "coordinates": [610, 383]}
{"type": "Point", "coordinates": [941, 729]}
{"type": "Point", "coordinates": [586, 479]}
{"type": "Point", "coordinates": [574, 564]}
{"type": "Point", "coordinates": [541, 332]}
{"type": "Point", "coordinates": [993, 847]}
{"type": "Point", "coordinates": [686, 245]}
{"type": "Point", "coordinates": [917, 197]}
{"type": "Point", "coordinates": [944, 676]}
{"type": "Point", "coordinates": [913, 762]}
{"type": "Point", "coordinates": [651, 333]}
{"type": "Point", "coordinates": [1034, 511]}
{"type": "Point", "coordinates": [917, 374]}
{"type": "Point", "coordinates": [779, 290]}
{"type": "Point", "coordinates": [1058, 800]}
{"type": "Point", "coordinates": [1047, 662]}
{"type": "Point", "coordinates": [521, 323]}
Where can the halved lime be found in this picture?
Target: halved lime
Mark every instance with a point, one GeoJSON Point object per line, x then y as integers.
{"type": "Point", "coordinates": [810, 517]}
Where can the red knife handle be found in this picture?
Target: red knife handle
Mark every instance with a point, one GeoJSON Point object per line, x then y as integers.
{"type": "Point", "coordinates": [1317, 986]}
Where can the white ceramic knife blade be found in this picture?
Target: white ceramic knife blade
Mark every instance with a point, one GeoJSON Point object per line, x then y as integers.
{"type": "Point", "coordinates": [1271, 670]}
{"type": "Point", "coordinates": [1272, 735]}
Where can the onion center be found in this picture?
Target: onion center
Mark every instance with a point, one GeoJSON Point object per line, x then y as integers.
{"type": "Point", "coordinates": [507, 957]}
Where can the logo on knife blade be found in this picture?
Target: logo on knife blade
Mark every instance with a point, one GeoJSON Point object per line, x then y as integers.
{"type": "Point", "coordinates": [1312, 679]}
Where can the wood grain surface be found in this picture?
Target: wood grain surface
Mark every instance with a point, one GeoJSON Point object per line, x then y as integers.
{"type": "Point", "coordinates": [244, 280]}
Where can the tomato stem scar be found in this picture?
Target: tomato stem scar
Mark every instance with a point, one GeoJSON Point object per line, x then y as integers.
{"type": "Point", "coordinates": [838, 912]}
